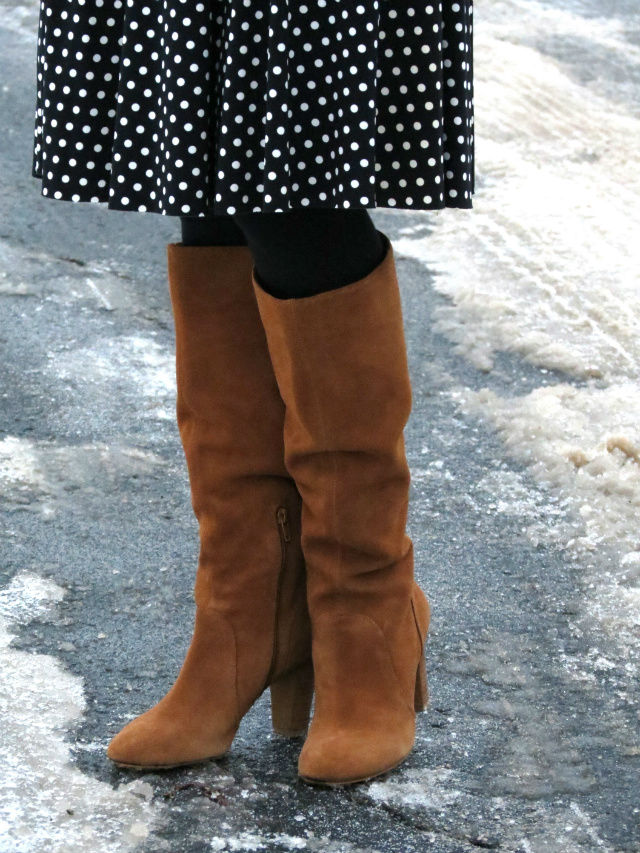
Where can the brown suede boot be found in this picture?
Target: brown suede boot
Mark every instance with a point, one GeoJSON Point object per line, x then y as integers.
{"type": "Point", "coordinates": [252, 625]}
{"type": "Point", "coordinates": [341, 364]}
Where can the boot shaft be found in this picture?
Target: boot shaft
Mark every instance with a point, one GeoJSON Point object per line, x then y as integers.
{"type": "Point", "coordinates": [341, 364]}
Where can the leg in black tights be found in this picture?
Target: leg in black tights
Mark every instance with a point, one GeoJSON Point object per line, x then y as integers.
{"type": "Point", "coordinates": [211, 231]}
{"type": "Point", "coordinates": [302, 252]}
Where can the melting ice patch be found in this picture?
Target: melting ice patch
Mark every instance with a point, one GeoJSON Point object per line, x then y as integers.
{"type": "Point", "coordinates": [18, 462]}
{"type": "Point", "coordinates": [247, 842]}
{"type": "Point", "coordinates": [131, 365]}
{"type": "Point", "coordinates": [42, 472]}
{"type": "Point", "coordinates": [584, 443]}
{"type": "Point", "coordinates": [20, 19]}
{"type": "Point", "coordinates": [424, 789]}
{"type": "Point", "coordinates": [571, 830]}
{"type": "Point", "coordinates": [45, 803]}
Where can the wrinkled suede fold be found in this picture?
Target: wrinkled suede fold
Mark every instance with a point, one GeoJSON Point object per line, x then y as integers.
{"type": "Point", "coordinates": [252, 624]}
{"type": "Point", "coordinates": [341, 365]}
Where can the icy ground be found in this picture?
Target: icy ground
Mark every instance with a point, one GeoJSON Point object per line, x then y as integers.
{"type": "Point", "coordinates": [522, 322]}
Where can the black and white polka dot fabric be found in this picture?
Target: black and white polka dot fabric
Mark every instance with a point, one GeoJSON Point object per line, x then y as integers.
{"type": "Point", "coordinates": [181, 107]}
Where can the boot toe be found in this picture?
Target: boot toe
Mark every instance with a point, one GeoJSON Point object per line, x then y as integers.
{"type": "Point", "coordinates": [127, 747]}
{"type": "Point", "coordinates": [345, 757]}
{"type": "Point", "coordinates": [140, 744]}
{"type": "Point", "coordinates": [154, 742]}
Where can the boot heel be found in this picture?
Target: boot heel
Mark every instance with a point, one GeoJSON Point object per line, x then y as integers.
{"type": "Point", "coordinates": [421, 698]}
{"type": "Point", "coordinates": [291, 697]}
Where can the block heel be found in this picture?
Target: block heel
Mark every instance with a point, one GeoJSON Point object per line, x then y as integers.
{"type": "Point", "coordinates": [291, 697]}
{"type": "Point", "coordinates": [421, 698]}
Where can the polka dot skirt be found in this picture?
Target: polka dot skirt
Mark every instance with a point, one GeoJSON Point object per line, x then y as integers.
{"type": "Point", "coordinates": [181, 107]}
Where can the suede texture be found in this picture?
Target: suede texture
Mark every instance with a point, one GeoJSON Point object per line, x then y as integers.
{"type": "Point", "coordinates": [341, 365]}
{"type": "Point", "coordinates": [252, 625]}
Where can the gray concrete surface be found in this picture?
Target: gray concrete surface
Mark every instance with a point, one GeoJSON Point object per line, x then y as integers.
{"type": "Point", "coordinates": [515, 752]}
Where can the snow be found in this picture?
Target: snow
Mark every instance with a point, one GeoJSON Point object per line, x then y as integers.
{"type": "Point", "coordinates": [45, 802]}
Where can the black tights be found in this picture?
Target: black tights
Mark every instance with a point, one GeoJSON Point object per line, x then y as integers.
{"type": "Point", "coordinates": [299, 252]}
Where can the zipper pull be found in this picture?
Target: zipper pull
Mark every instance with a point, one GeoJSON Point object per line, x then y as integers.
{"type": "Point", "coordinates": [284, 524]}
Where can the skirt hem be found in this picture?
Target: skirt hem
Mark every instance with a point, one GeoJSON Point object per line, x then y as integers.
{"type": "Point", "coordinates": [217, 209]}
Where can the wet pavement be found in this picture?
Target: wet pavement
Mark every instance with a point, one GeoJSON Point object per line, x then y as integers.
{"type": "Point", "coordinates": [531, 740]}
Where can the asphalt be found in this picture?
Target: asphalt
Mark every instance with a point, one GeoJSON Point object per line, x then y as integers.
{"type": "Point", "coordinates": [524, 735]}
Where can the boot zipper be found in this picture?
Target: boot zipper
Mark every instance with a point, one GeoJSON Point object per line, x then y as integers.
{"type": "Point", "coordinates": [285, 536]}
{"type": "Point", "coordinates": [284, 524]}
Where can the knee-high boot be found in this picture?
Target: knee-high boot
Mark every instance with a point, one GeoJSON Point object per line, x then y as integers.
{"type": "Point", "coordinates": [341, 364]}
{"type": "Point", "coordinates": [251, 625]}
